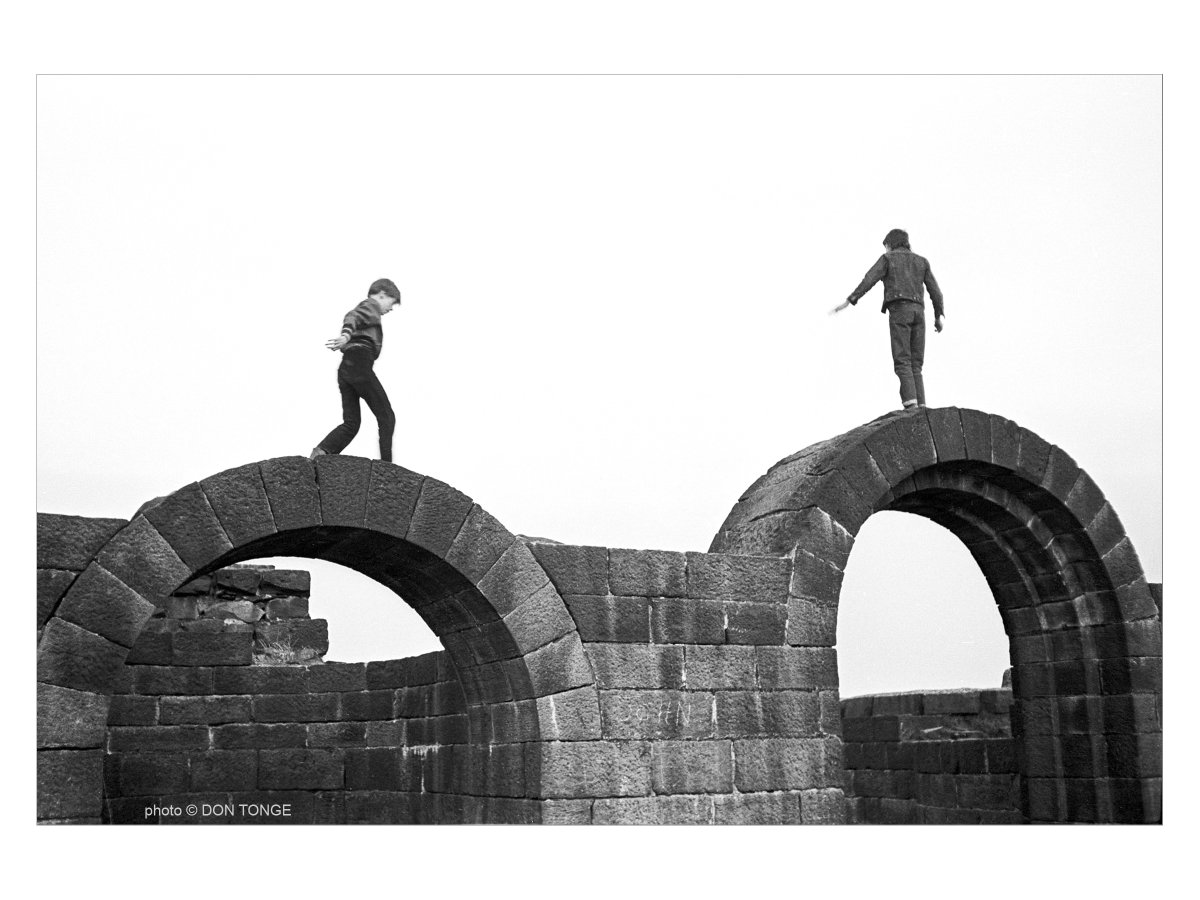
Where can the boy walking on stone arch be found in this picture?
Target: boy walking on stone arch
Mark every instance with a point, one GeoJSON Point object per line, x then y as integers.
{"type": "Point", "coordinates": [905, 276]}
{"type": "Point", "coordinates": [360, 343]}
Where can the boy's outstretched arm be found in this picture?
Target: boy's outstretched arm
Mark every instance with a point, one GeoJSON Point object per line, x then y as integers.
{"type": "Point", "coordinates": [837, 309]}
{"type": "Point", "coordinates": [338, 342]}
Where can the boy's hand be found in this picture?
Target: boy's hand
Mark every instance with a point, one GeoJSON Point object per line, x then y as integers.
{"type": "Point", "coordinates": [839, 307]}
{"type": "Point", "coordinates": [341, 341]}
{"type": "Point", "coordinates": [939, 323]}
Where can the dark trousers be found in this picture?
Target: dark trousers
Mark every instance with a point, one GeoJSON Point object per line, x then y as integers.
{"type": "Point", "coordinates": [357, 380]}
{"type": "Point", "coordinates": [906, 322]}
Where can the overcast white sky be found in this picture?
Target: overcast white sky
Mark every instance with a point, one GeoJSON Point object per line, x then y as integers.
{"type": "Point", "coordinates": [615, 297]}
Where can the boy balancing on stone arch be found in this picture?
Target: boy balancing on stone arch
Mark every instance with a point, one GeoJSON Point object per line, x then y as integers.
{"type": "Point", "coordinates": [905, 276]}
{"type": "Point", "coordinates": [360, 343]}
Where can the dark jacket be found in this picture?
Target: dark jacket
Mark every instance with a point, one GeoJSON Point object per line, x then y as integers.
{"type": "Point", "coordinates": [905, 276]}
{"type": "Point", "coordinates": [364, 326]}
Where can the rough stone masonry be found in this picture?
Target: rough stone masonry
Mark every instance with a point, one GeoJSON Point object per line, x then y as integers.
{"type": "Point", "coordinates": [586, 684]}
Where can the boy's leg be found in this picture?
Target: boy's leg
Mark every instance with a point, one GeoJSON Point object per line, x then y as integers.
{"type": "Point", "coordinates": [917, 355]}
{"type": "Point", "coordinates": [337, 440]}
{"type": "Point", "coordinates": [377, 401]}
{"type": "Point", "coordinates": [899, 328]}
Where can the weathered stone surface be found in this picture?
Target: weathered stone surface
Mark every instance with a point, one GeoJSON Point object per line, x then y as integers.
{"type": "Point", "coordinates": [719, 667]}
{"type": "Point", "coordinates": [588, 769]}
{"type": "Point", "coordinates": [104, 605]}
{"type": "Point", "coordinates": [946, 428]}
{"type": "Point", "coordinates": [239, 498]}
{"type": "Point", "coordinates": [810, 624]}
{"type": "Point", "coordinates": [610, 619]}
{"type": "Point", "coordinates": [72, 657]}
{"type": "Point", "coordinates": [653, 811]}
{"type": "Point", "coordinates": [715, 576]}
{"type": "Point", "coordinates": [569, 716]}
{"type": "Point", "coordinates": [263, 679]}
{"type": "Point", "coordinates": [130, 710]}
{"type": "Point", "coordinates": [687, 621]}
{"type": "Point", "coordinates": [187, 521]}
{"type": "Point", "coordinates": [69, 783]}
{"type": "Point", "coordinates": [779, 764]}
{"type": "Point", "coordinates": [691, 767]}
{"type": "Point", "coordinates": [70, 542]}
{"type": "Point", "coordinates": [514, 577]}
{"type": "Point", "coordinates": [309, 769]}
{"type": "Point", "coordinates": [806, 668]}
{"type": "Point", "coordinates": [343, 483]}
{"type": "Point", "coordinates": [291, 485]}
{"type": "Point", "coordinates": [558, 667]}
{"type": "Point", "coordinates": [574, 570]}
{"type": "Point", "coordinates": [223, 649]}
{"type": "Point", "coordinates": [203, 710]}
{"type": "Point", "coordinates": [141, 558]}
{"type": "Point", "coordinates": [223, 770]}
{"type": "Point", "coordinates": [637, 666]}
{"type": "Point", "coordinates": [539, 620]}
{"type": "Point", "coordinates": [647, 573]}
{"type": "Point", "coordinates": [438, 517]}
{"type": "Point", "coordinates": [767, 714]}
{"type": "Point", "coordinates": [481, 541]}
{"type": "Point", "coordinates": [51, 585]}
{"type": "Point", "coordinates": [258, 737]}
{"type": "Point", "coordinates": [776, 808]}
{"type": "Point", "coordinates": [656, 715]}
{"type": "Point", "coordinates": [68, 718]}
{"type": "Point", "coordinates": [337, 676]}
{"type": "Point", "coordinates": [159, 737]}
{"type": "Point", "coordinates": [295, 707]}
{"type": "Point", "coordinates": [755, 623]}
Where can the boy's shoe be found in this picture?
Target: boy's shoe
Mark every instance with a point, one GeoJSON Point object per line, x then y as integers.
{"type": "Point", "coordinates": [317, 451]}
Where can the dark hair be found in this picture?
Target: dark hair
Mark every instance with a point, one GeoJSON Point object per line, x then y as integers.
{"type": "Point", "coordinates": [897, 238]}
{"type": "Point", "coordinates": [387, 286]}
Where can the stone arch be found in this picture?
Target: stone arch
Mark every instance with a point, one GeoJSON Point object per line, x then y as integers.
{"type": "Point", "coordinates": [1085, 634]}
{"type": "Point", "coordinates": [512, 642]}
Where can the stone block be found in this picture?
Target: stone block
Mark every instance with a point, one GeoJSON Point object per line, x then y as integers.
{"type": "Point", "coordinates": [223, 770]}
{"type": "Point", "coordinates": [239, 498]}
{"type": "Point", "coordinates": [223, 649]}
{"type": "Point", "coordinates": [367, 705]}
{"type": "Point", "coordinates": [767, 714]}
{"type": "Point", "coordinates": [647, 573]}
{"type": "Point", "coordinates": [125, 709]}
{"type": "Point", "coordinates": [1033, 455]}
{"type": "Point", "coordinates": [481, 541]}
{"type": "Point", "coordinates": [780, 765]}
{"type": "Point", "coordinates": [51, 585]}
{"type": "Point", "coordinates": [755, 623]}
{"type": "Point", "coordinates": [384, 734]}
{"type": "Point", "coordinates": [687, 621]}
{"type": "Point", "coordinates": [810, 624]}
{"type": "Point", "coordinates": [570, 716]}
{"type": "Point", "coordinates": [691, 767]}
{"type": "Point", "coordinates": [242, 610]}
{"type": "Point", "coordinates": [577, 769]}
{"type": "Point", "coordinates": [1085, 499]}
{"type": "Point", "coordinates": [203, 710]}
{"type": "Point", "coordinates": [69, 718]}
{"type": "Point", "coordinates": [719, 667]}
{"type": "Point", "coordinates": [636, 666]}
{"type": "Point", "coordinates": [949, 703]}
{"type": "Point", "coordinates": [295, 707]}
{"type": "Point", "coordinates": [610, 619]}
{"type": "Point", "coordinates": [946, 428]}
{"type": "Point", "coordinates": [714, 576]}
{"type": "Point", "coordinates": [1060, 475]}
{"type": "Point", "coordinates": [777, 808]}
{"type": "Point", "coordinates": [977, 435]}
{"type": "Point", "coordinates": [311, 634]}
{"type": "Point", "coordinates": [70, 542]}
{"type": "Point", "coordinates": [573, 569]}
{"type": "Point", "coordinates": [558, 667]}
{"type": "Point", "coordinates": [301, 770]}
{"type": "Point", "coordinates": [513, 578]}
{"type": "Point", "coordinates": [263, 679]}
{"type": "Point", "coordinates": [438, 517]}
{"type": "Point", "coordinates": [337, 676]}
{"type": "Point", "coordinates": [815, 579]}
{"type": "Point", "coordinates": [158, 737]}
{"type": "Point", "coordinates": [343, 483]}
{"type": "Point", "coordinates": [154, 775]}
{"type": "Point", "coordinates": [291, 486]}
{"type": "Point", "coordinates": [656, 715]}
{"type": "Point", "coordinates": [539, 620]}
{"type": "Point", "coordinates": [187, 521]}
{"type": "Point", "coordinates": [338, 734]}
{"type": "Point", "coordinates": [805, 668]}
{"type": "Point", "coordinates": [1006, 442]}
{"type": "Point", "coordinates": [901, 447]}
{"type": "Point", "coordinates": [258, 737]}
{"type": "Point", "coordinates": [142, 559]}
{"type": "Point", "coordinates": [73, 657]}
{"type": "Point", "coordinates": [1133, 675]}
{"type": "Point", "coordinates": [653, 811]}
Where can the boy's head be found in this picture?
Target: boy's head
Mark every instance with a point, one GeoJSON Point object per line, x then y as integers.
{"type": "Point", "coordinates": [385, 292]}
{"type": "Point", "coordinates": [897, 239]}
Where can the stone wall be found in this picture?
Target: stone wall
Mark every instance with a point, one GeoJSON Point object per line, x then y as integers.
{"type": "Point", "coordinates": [931, 757]}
